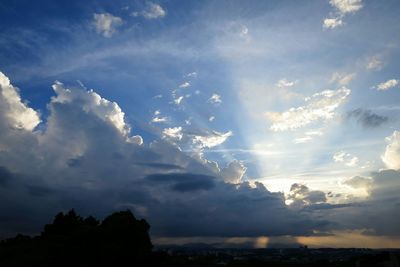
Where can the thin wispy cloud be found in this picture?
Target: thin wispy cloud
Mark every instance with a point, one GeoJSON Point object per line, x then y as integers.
{"type": "Point", "coordinates": [319, 107]}
{"type": "Point", "coordinates": [151, 11]}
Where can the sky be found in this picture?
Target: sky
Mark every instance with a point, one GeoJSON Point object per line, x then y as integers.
{"type": "Point", "coordinates": [237, 124]}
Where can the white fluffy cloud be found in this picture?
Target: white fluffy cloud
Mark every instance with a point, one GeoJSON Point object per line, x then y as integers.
{"type": "Point", "coordinates": [300, 195]}
{"type": "Point", "coordinates": [320, 107]}
{"type": "Point", "coordinates": [391, 157]}
{"type": "Point", "coordinates": [331, 23]}
{"type": "Point", "coordinates": [173, 133]}
{"type": "Point", "coordinates": [16, 113]}
{"type": "Point", "coordinates": [93, 103]}
{"type": "Point", "coordinates": [106, 23]}
{"type": "Point", "coordinates": [342, 8]}
{"type": "Point", "coordinates": [215, 99]}
{"type": "Point", "coordinates": [346, 6]}
{"type": "Point", "coordinates": [152, 11]}
{"type": "Point", "coordinates": [387, 85]}
{"type": "Point", "coordinates": [233, 172]}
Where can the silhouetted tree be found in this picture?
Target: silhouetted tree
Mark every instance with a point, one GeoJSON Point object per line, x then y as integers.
{"type": "Point", "coordinates": [74, 241]}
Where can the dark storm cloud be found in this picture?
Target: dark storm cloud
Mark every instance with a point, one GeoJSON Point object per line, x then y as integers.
{"type": "Point", "coordinates": [184, 182]}
{"type": "Point", "coordinates": [5, 176]}
{"type": "Point", "coordinates": [366, 118]}
{"type": "Point", "coordinates": [156, 165]}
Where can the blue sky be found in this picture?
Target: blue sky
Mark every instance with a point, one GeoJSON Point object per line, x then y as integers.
{"type": "Point", "coordinates": [296, 100]}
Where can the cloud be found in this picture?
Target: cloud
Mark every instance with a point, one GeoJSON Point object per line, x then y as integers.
{"type": "Point", "coordinates": [387, 85]}
{"type": "Point", "coordinates": [14, 112]}
{"type": "Point", "coordinates": [391, 157]}
{"type": "Point", "coordinates": [346, 158]}
{"type": "Point", "coordinates": [233, 172]}
{"type": "Point", "coordinates": [152, 11]}
{"type": "Point", "coordinates": [332, 23]}
{"type": "Point", "coordinates": [215, 99]}
{"type": "Point", "coordinates": [93, 103]}
{"type": "Point", "coordinates": [211, 118]}
{"type": "Point", "coordinates": [106, 24]}
{"type": "Point", "coordinates": [358, 182]}
{"type": "Point", "coordinates": [300, 196]}
{"type": "Point", "coordinates": [212, 139]}
{"type": "Point", "coordinates": [320, 107]}
{"type": "Point", "coordinates": [374, 63]}
{"type": "Point", "coordinates": [308, 136]}
{"type": "Point", "coordinates": [285, 83]}
{"type": "Point", "coordinates": [366, 118]}
{"type": "Point", "coordinates": [184, 85]}
{"type": "Point", "coordinates": [157, 118]}
{"type": "Point", "coordinates": [346, 6]}
{"type": "Point", "coordinates": [342, 8]}
{"type": "Point", "coordinates": [192, 74]}
{"type": "Point", "coordinates": [184, 182]}
{"type": "Point", "coordinates": [342, 78]}
{"type": "Point", "coordinates": [173, 133]}
{"type": "Point", "coordinates": [178, 100]}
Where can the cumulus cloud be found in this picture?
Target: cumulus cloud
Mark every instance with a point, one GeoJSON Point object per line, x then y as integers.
{"type": "Point", "coordinates": [14, 112]}
{"type": "Point", "coordinates": [320, 107]}
{"type": "Point", "coordinates": [342, 8]}
{"type": "Point", "coordinates": [215, 99]}
{"type": "Point", "coordinates": [233, 172]}
{"type": "Point", "coordinates": [300, 195]}
{"type": "Point", "coordinates": [95, 104]}
{"type": "Point", "coordinates": [151, 11]}
{"type": "Point", "coordinates": [346, 6]}
{"type": "Point", "coordinates": [391, 157]}
{"type": "Point", "coordinates": [366, 118]}
{"type": "Point", "coordinates": [332, 23]}
{"type": "Point", "coordinates": [387, 85]}
{"type": "Point", "coordinates": [173, 133]}
{"type": "Point", "coordinates": [106, 24]}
